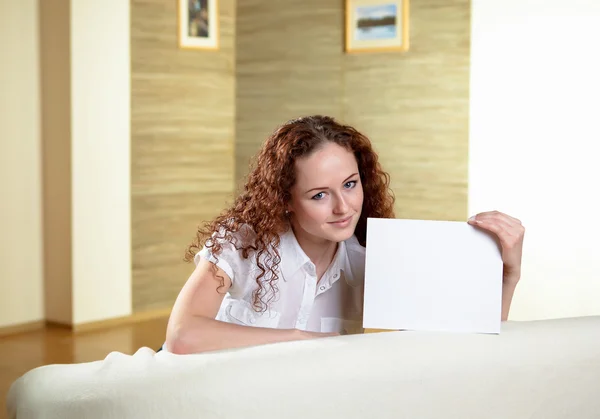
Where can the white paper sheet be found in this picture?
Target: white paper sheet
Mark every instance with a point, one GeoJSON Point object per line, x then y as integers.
{"type": "Point", "coordinates": [432, 276]}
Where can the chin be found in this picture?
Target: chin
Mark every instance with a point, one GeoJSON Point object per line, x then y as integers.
{"type": "Point", "coordinates": [340, 235]}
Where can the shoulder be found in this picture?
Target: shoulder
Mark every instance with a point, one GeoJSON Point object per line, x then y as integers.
{"type": "Point", "coordinates": [233, 253]}
{"type": "Point", "coordinates": [243, 237]}
{"type": "Point", "coordinates": [230, 243]}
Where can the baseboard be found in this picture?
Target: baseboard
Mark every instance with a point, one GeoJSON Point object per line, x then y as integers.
{"type": "Point", "coordinates": [22, 328]}
{"type": "Point", "coordinates": [114, 322]}
{"type": "Point", "coordinates": [86, 327]}
{"type": "Point", "coordinates": [104, 324]}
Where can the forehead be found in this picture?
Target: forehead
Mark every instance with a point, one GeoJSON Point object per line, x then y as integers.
{"type": "Point", "coordinates": [330, 163]}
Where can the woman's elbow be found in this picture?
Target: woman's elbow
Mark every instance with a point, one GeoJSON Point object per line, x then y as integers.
{"type": "Point", "coordinates": [178, 340]}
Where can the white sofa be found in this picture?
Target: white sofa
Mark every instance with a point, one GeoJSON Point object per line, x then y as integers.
{"type": "Point", "coordinates": [533, 370]}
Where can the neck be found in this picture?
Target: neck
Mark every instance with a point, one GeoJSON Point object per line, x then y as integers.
{"type": "Point", "coordinates": [318, 250]}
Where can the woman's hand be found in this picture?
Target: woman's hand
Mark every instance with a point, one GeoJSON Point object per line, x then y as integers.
{"type": "Point", "coordinates": [510, 233]}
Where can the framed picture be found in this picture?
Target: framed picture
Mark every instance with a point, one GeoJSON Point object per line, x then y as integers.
{"type": "Point", "coordinates": [377, 25]}
{"type": "Point", "coordinates": [198, 24]}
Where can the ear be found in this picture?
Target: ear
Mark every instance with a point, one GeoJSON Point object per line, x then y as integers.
{"type": "Point", "coordinates": [289, 208]}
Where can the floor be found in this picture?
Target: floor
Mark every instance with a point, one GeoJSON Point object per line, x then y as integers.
{"type": "Point", "coordinates": [23, 352]}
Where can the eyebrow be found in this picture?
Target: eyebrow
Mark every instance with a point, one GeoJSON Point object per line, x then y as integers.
{"type": "Point", "coordinates": [321, 188]}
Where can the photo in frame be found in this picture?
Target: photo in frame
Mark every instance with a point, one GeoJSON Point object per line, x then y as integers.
{"type": "Point", "coordinates": [377, 25]}
{"type": "Point", "coordinates": [198, 24]}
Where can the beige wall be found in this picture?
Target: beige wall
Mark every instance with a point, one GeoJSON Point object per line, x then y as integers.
{"type": "Point", "coordinates": [534, 142]}
{"type": "Point", "coordinates": [183, 122]}
{"type": "Point", "coordinates": [182, 109]}
{"type": "Point", "coordinates": [181, 163]}
{"type": "Point", "coordinates": [86, 159]}
{"type": "Point", "coordinates": [21, 296]}
{"type": "Point", "coordinates": [413, 106]}
{"type": "Point", "coordinates": [285, 61]}
{"type": "Point", "coordinates": [100, 158]}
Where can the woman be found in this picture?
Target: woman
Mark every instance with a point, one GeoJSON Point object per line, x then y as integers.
{"type": "Point", "coordinates": [286, 260]}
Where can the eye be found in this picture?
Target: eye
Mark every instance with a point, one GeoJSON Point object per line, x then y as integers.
{"type": "Point", "coordinates": [351, 184]}
{"type": "Point", "coordinates": [318, 196]}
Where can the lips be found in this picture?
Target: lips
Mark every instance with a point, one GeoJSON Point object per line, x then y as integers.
{"type": "Point", "coordinates": [343, 220]}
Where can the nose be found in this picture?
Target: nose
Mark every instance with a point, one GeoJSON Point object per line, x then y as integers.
{"type": "Point", "coordinates": [340, 207]}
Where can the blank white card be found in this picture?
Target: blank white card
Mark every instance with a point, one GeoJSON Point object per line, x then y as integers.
{"type": "Point", "coordinates": [432, 276]}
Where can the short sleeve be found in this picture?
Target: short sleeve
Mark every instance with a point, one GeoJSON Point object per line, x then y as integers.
{"type": "Point", "coordinates": [230, 260]}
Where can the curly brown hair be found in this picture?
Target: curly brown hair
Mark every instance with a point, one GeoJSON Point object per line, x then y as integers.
{"type": "Point", "coordinates": [262, 204]}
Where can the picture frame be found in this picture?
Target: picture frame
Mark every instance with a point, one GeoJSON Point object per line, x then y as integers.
{"type": "Point", "coordinates": [376, 26]}
{"type": "Point", "coordinates": [198, 24]}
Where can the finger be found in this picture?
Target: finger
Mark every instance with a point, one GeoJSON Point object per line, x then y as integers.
{"type": "Point", "coordinates": [508, 236]}
{"type": "Point", "coordinates": [503, 227]}
{"type": "Point", "coordinates": [516, 227]}
{"type": "Point", "coordinates": [499, 215]}
{"type": "Point", "coordinates": [487, 225]}
{"type": "Point", "coordinates": [508, 218]}
{"type": "Point", "coordinates": [515, 220]}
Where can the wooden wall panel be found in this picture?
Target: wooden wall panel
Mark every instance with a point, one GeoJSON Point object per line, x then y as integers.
{"type": "Point", "coordinates": [288, 64]}
{"type": "Point", "coordinates": [183, 107]}
{"type": "Point", "coordinates": [413, 106]}
{"type": "Point", "coordinates": [278, 62]}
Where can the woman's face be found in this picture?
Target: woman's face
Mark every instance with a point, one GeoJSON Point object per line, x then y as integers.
{"type": "Point", "coordinates": [327, 197]}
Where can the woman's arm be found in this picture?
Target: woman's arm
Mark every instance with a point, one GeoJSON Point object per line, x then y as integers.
{"type": "Point", "coordinates": [192, 326]}
{"type": "Point", "coordinates": [508, 290]}
{"type": "Point", "coordinates": [510, 233]}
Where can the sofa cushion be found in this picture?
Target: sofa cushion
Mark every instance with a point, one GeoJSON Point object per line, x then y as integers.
{"type": "Point", "coordinates": [546, 369]}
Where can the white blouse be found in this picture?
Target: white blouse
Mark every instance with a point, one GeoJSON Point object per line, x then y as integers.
{"type": "Point", "coordinates": [332, 304]}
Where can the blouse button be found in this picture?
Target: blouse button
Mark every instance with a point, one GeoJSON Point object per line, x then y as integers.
{"type": "Point", "coordinates": [335, 276]}
{"type": "Point", "coordinates": [322, 288]}
{"type": "Point", "coordinates": [252, 320]}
